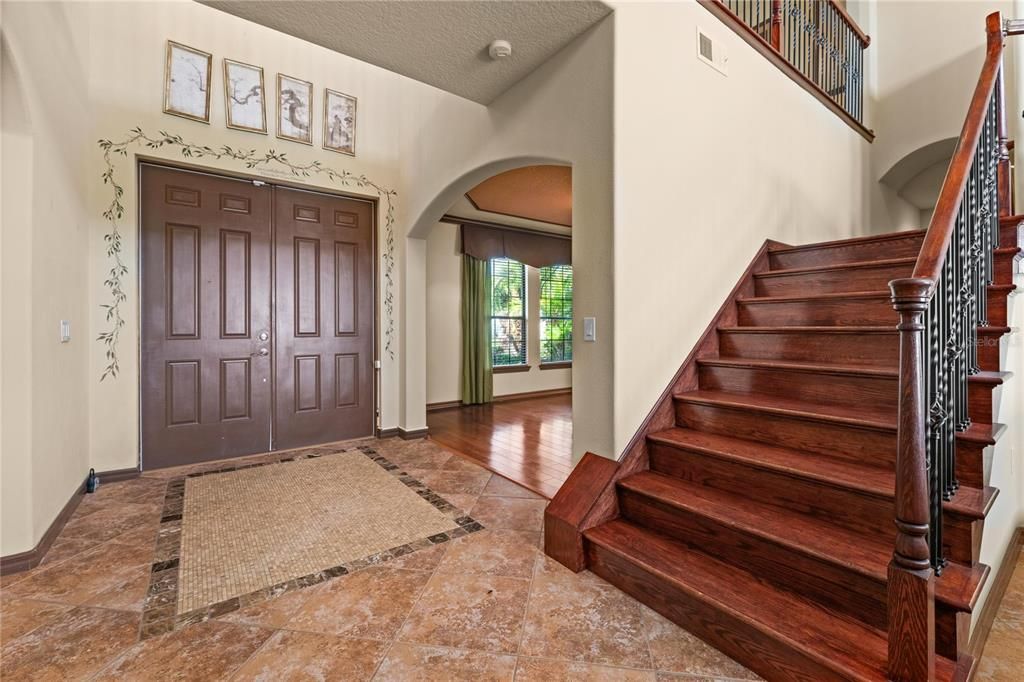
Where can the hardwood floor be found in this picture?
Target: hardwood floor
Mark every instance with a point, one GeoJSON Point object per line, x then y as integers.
{"type": "Point", "coordinates": [528, 441]}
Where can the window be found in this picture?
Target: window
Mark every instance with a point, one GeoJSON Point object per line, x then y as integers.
{"type": "Point", "coordinates": [556, 313]}
{"type": "Point", "coordinates": [508, 312]}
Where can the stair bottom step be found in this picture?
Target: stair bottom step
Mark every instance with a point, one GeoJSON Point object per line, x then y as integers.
{"type": "Point", "coordinates": [775, 633]}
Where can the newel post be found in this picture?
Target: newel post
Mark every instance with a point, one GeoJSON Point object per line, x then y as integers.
{"type": "Point", "coordinates": [911, 597]}
{"type": "Point", "coordinates": [994, 30]}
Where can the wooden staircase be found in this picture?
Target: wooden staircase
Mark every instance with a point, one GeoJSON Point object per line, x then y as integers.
{"type": "Point", "coordinates": [755, 505]}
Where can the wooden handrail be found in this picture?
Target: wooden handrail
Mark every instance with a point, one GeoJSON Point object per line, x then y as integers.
{"type": "Point", "coordinates": [865, 39]}
{"type": "Point", "coordinates": [940, 228]}
{"type": "Point", "coordinates": [938, 320]}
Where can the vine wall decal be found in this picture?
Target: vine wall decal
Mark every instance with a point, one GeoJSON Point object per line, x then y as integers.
{"type": "Point", "coordinates": [252, 161]}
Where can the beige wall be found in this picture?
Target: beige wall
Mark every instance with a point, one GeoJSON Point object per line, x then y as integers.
{"type": "Point", "coordinates": [923, 63]}
{"type": "Point", "coordinates": [562, 114]}
{"type": "Point", "coordinates": [707, 167]}
{"type": "Point", "coordinates": [95, 70]}
{"type": "Point", "coordinates": [444, 327]}
{"type": "Point", "coordinates": [45, 436]}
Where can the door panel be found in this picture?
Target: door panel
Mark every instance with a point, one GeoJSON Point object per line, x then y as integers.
{"type": "Point", "coordinates": [325, 318]}
{"type": "Point", "coordinates": [206, 391]}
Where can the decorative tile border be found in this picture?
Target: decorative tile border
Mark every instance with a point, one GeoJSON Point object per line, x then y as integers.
{"type": "Point", "coordinates": [159, 609]}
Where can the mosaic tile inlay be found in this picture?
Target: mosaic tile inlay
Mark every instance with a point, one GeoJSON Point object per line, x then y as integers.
{"type": "Point", "coordinates": [238, 535]}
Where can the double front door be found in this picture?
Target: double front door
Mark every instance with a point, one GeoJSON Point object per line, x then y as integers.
{"type": "Point", "coordinates": [258, 317]}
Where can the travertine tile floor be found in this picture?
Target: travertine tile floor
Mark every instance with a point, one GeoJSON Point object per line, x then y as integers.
{"type": "Point", "coordinates": [488, 606]}
{"type": "Point", "coordinates": [1003, 658]}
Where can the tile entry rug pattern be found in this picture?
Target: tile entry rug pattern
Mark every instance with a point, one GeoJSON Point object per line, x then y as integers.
{"type": "Point", "coordinates": [235, 536]}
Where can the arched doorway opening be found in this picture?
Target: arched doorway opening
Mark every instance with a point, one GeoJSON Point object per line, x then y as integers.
{"type": "Point", "coordinates": [517, 221]}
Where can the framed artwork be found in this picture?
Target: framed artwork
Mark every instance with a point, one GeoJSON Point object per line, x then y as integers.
{"type": "Point", "coordinates": [294, 104]}
{"type": "Point", "coordinates": [187, 82]}
{"type": "Point", "coordinates": [244, 104]}
{"type": "Point", "coordinates": [339, 122]}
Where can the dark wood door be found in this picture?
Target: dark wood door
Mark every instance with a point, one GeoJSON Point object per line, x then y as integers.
{"type": "Point", "coordinates": [206, 317]}
{"type": "Point", "coordinates": [325, 321]}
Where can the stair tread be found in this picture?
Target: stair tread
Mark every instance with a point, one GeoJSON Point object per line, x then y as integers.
{"type": "Point", "coordinates": [795, 365]}
{"type": "Point", "coordinates": [753, 300]}
{"type": "Point", "coordinates": [834, 641]}
{"type": "Point", "coordinates": [852, 241]}
{"type": "Point", "coordinates": [982, 433]}
{"type": "Point", "coordinates": [864, 554]}
{"type": "Point", "coordinates": [852, 265]}
{"type": "Point", "coordinates": [990, 377]}
{"type": "Point", "coordinates": [865, 415]}
{"type": "Point", "coordinates": [984, 376]}
{"type": "Point", "coordinates": [840, 473]}
{"type": "Point", "coordinates": [814, 329]}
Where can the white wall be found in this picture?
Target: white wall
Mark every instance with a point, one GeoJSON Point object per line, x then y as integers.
{"type": "Point", "coordinates": [707, 167]}
{"type": "Point", "coordinates": [444, 327]}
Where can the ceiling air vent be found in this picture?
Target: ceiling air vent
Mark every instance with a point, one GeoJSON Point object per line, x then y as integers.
{"type": "Point", "coordinates": [711, 53]}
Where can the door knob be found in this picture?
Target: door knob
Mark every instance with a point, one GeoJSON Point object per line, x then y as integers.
{"type": "Point", "coordinates": [263, 352]}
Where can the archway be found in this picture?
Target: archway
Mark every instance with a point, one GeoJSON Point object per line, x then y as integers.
{"type": "Point", "coordinates": [526, 433]}
{"type": "Point", "coordinates": [917, 177]}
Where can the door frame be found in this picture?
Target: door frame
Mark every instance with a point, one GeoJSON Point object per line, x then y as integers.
{"type": "Point", "coordinates": [170, 164]}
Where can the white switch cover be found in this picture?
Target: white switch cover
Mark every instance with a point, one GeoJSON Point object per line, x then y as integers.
{"type": "Point", "coordinates": [65, 331]}
{"type": "Point", "coordinates": [590, 329]}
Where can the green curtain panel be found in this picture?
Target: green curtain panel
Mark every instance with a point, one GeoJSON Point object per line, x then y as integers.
{"type": "Point", "coordinates": [477, 383]}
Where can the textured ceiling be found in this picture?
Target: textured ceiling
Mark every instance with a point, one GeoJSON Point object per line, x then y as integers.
{"type": "Point", "coordinates": [541, 193]}
{"type": "Point", "coordinates": [439, 42]}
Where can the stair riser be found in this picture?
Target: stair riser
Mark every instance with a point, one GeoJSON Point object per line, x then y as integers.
{"type": "Point", "coordinates": [859, 511]}
{"type": "Point", "coordinates": [827, 583]}
{"type": "Point", "coordinates": [868, 446]}
{"type": "Point", "coordinates": [855, 510]}
{"type": "Point", "coordinates": [997, 304]}
{"type": "Point", "coordinates": [980, 401]}
{"type": "Point", "coordinates": [970, 464]}
{"type": "Point", "coordinates": [831, 281]}
{"type": "Point", "coordinates": [1004, 268]}
{"type": "Point", "coordinates": [989, 347]}
{"type": "Point", "coordinates": [1008, 235]}
{"type": "Point", "coordinates": [866, 350]}
{"type": "Point", "coordinates": [962, 538]}
{"type": "Point", "coordinates": [827, 312]}
{"type": "Point", "coordinates": [772, 658]}
{"type": "Point", "coordinates": [808, 258]}
{"type": "Point", "coordinates": [819, 387]}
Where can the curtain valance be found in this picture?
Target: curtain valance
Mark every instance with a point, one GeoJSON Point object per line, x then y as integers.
{"type": "Point", "coordinates": [537, 250]}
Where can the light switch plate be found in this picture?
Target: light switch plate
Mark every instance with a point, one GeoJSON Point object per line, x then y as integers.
{"type": "Point", "coordinates": [590, 329]}
{"type": "Point", "coordinates": [65, 331]}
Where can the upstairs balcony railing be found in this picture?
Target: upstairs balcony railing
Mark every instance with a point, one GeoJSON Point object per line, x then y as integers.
{"type": "Point", "coordinates": [814, 41]}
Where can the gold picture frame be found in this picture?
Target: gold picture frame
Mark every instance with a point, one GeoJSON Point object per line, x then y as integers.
{"type": "Point", "coordinates": [291, 127]}
{"type": "Point", "coordinates": [186, 83]}
{"type": "Point", "coordinates": [339, 125]}
{"type": "Point", "coordinates": [238, 103]}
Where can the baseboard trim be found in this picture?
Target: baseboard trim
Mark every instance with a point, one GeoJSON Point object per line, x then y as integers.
{"type": "Point", "coordinates": [528, 395]}
{"type": "Point", "coordinates": [115, 475]}
{"type": "Point", "coordinates": [448, 405]}
{"type": "Point", "coordinates": [413, 434]}
{"type": "Point", "coordinates": [387, 433]}
{"type": "Point", "coordinates": [23, 561]}
{"type": "Point", "coordinates": [995, 597]}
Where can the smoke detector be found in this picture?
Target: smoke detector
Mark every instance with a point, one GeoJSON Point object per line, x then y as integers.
{"type": "Point", "coordinates": [500, 49]}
